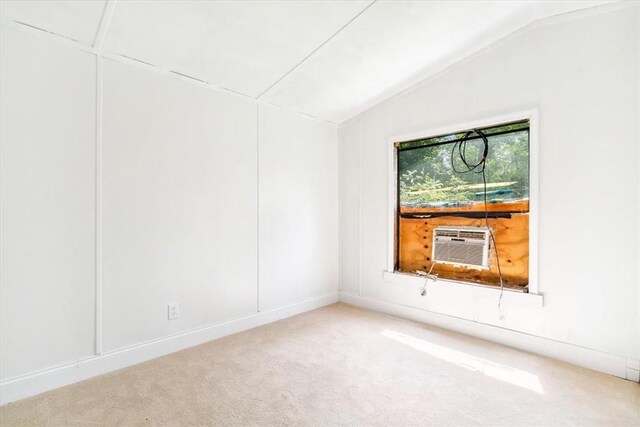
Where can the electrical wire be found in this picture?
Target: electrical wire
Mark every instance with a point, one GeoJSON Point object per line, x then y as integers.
{"type": "Point", "coordinates": [427, 276]}
{"type": "Point", "coordinates": [478, 167]}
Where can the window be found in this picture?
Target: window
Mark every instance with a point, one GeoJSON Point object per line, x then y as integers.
{"type": "Point", "coordinates": [476, 178]}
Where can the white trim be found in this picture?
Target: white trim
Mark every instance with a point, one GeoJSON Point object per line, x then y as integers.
{"type": "Point", "coordinates": [98, 206]}
{"type": "Point", "coordinates": [340, 228]}
{"type": "Point", "coordinates": [638, 187]}
{"type": "Point", "coordinates": [258, 208]}
{"type": "Point", "coordinates": [607, 363]}
{"type": "Point", "coordinates": [534, 197]}
{"type": "Point", "coordinates": [105, 22]}
{"type": "Point", "coordinates": [489, 292]}
{"type": "Point", "coordinates": [38, 382]}
{"type": "Point", "coordinates": [359, 207]}
{"type": "Point", "coordinates": [392, 159]}
{"type": "Point", "coordinates": [532, 116]}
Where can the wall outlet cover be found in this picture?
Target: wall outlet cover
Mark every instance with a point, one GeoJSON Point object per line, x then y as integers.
{"type": "Point", "coordinates": [173, 311]}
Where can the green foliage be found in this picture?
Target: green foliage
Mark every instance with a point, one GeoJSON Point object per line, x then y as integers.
{"type": "Point", "coordinates": [428, 179]}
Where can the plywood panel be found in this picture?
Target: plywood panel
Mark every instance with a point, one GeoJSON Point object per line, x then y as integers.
{"type": "Point", "coordinates": [512, 242]}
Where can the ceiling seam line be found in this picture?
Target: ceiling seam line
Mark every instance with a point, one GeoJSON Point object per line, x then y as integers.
{"type": "Point", "coordinates": [50, 33]}
{"type": "Point", "coordinates": [123, 59]}
{"type": "Point", "coordinates": [316, 49]}
{"type": "Point", "coordinates": [105, 23]}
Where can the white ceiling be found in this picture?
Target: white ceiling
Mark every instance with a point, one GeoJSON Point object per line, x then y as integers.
{"type": "Point", "coordinates": [241, 46]}
{"type": "Point", "coordinates": [77, 20]}
{"type": "Point", "coordinates": [328, 59]}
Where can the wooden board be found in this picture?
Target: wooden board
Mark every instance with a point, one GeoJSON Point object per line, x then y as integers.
{"type": "Point", "coordinates": [512, 242]}
{"type": "Point", "coordinates": [520, 206]}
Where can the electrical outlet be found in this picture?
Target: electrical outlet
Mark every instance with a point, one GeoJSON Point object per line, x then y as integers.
{"type": "Point", "coordinates": [174, 311]}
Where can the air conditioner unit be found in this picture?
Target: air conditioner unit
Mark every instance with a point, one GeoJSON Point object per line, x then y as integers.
{"type": "Point", "coordinates": [467, 246]}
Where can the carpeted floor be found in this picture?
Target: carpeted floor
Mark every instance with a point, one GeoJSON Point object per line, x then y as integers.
{"type": "Point", "coordinates": [341, 365]}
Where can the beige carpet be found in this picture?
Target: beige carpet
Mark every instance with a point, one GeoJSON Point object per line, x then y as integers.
{"type": "Point", "coordinates": [341, 365]}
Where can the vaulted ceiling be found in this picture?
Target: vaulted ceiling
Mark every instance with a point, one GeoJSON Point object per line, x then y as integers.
{"type": "Point", "coordinates": [328, 59]}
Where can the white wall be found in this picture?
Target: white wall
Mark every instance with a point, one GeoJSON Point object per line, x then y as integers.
{"type": "Point", "coordinates": [47, 272]}
{"type": "Point", "coordinates": [298, 208]}
{"type": "Point", "coordinates": [178, 183]}
{"type": "Point", "coordinates": [581, 71]}
{"type": "Point", "coordinates": [179, 174]}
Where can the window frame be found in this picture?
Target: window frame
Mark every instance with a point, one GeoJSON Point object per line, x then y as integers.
{"type": "Point", "coordinates": [393, 181]}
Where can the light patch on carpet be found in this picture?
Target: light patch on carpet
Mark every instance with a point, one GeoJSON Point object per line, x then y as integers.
{"type": "Point", "coordinates": [489, 368]}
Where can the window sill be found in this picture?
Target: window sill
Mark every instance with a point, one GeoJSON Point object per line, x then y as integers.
{"type": "Point", "coordinates": [520, 298]}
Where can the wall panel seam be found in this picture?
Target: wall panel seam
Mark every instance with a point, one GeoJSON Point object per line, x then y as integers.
{"type": "Point", "coordinates": [98, 206]}
{"type": "Point", "coordinates": [258, 208]}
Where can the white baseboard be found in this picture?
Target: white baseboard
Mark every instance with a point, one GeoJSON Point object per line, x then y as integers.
{"type": "Point", "coordinates": [48, 379]}
{"type": "Point", "coordinates": [618, 366]}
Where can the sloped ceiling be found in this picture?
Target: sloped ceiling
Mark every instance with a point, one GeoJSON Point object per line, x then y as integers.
{"type": "Point", "coordinates": [76, 20]}
{"type": "Point", "coordinates": [328, 59]}
{"type": "Point", "coordinates": [242, 46]}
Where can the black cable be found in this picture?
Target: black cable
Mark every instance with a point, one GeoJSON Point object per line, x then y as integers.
{"type": "Point", "coordinates": [478, 167]}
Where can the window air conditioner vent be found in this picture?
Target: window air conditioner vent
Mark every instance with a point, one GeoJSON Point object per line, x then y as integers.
{"type": "Point", "coordinates": [461, 246]}
{"type": "Point", "coordinates": [471, 235]}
